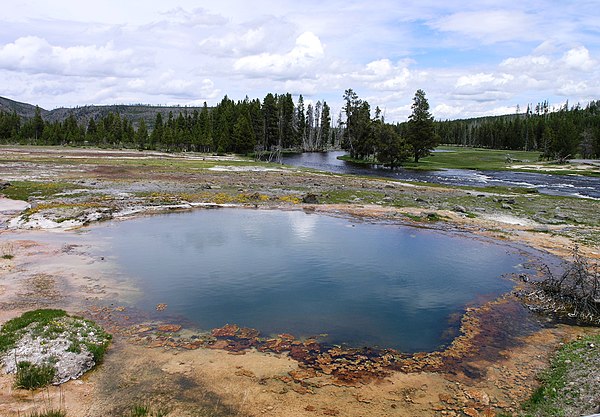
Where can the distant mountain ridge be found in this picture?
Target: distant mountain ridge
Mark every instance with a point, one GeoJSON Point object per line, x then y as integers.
{"type": "Point", "coordinates": [133, 112]}
{"type": "Point", "coordinates": [25, 110]}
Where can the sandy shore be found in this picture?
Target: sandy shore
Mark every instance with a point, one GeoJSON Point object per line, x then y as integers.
{"type": "Point", "coordinates": [60, 268]}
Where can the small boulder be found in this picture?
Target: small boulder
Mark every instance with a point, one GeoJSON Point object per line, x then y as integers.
{"type": "Point", "coordinates": [310, 198]}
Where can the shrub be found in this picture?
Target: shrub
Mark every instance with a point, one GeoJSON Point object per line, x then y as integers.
{"type": "Point", "coordinates": [576, 291]}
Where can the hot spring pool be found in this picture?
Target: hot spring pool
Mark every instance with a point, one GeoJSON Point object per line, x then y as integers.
{"type": "Point", "coordinates": [355, 283]}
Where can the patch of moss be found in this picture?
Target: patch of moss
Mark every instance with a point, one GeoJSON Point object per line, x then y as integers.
{"type": "Point", "coordinates": [25, 190]}
{"type": "Point", "coordinates": [11, 330]}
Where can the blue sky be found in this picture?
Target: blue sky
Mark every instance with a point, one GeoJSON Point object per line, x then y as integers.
{"type": "Point", "coordinates": [471, 58]}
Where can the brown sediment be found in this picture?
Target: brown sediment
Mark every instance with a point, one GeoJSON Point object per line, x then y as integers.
{"type": "Point", "coordinates": [491, 366]}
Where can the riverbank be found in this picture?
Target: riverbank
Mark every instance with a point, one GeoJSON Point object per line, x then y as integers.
{"type": "Point", "coordinates": [50, 266]}
{"type": "Point", "coordinates": [456, 157]}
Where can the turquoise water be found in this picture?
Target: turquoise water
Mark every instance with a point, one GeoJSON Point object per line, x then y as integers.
{"type": "Point", "coordinates": [361, 284]}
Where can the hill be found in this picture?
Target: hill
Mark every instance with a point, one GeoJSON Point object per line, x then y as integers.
{"type": "Point", "coordinates": [23, 110]}
{"type": "Point", "coordinates": [133, 113]}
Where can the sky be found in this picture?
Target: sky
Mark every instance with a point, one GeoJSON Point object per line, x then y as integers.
{"type": "Point", "coordinates": [471, 58]}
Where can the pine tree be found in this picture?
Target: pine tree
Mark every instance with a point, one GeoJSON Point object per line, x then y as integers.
{"type": "Point", "coordinates": [300, 122]}
{"type": "Point", "coordinates": [141, 135]}
{"type": "Point", "coordinates": [326, 125]}
{"type": "Point", "coordinates": [421, 133]}
{"type": "Point", "coordinates": [38, 123]}
{"type": "Point", "coordinates": [244, 135]}
{"type": "Point", "coordinates": [271, 121]}
{"type": "Point", "coordinates": [156, 137]}
{"type": "Point", "coordinates": [91, 134]}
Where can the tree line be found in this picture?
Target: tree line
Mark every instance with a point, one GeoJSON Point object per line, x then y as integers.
{"type": "Point", "coordinates": [245, 126]}
{"type": "Point", "coordinates": [556, 134]}
{"type": "Point", "coordinates": [242, 126]}
{"type": "Point", "coordinates": [277, 123]}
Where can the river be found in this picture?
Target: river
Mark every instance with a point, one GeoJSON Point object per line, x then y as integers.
{"type": "Point", "coordinates": [560, 185]}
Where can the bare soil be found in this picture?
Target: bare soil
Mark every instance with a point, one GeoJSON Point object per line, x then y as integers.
{"type": "Point", "coordinates": [491, 368]}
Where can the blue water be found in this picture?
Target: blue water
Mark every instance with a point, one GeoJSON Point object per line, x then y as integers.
{"type": "Point", "coordinates": [308, 274]}
{"type": "Point", "coordinates": [561, 185]}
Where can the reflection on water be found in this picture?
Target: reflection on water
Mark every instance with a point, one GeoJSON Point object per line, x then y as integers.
{"type": "Point", "coordinates": [308, 274]}
{"type": "Point", "coordinates": [565, 185]}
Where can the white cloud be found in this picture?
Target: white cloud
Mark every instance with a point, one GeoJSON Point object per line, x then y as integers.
{"type": "Point", "coordinates": [528, 62]}
{"type": "Point", "coordinates": [264, 35]}
{"type": "Point", "coordinates": [470, 58]}
{"type": "Point", "coordinates": [483, 84]}
{"type": "Point", "coordinates": [579, 59]}
{"type": "Point", "coordinates": [297, 62]}
{"type": "Point", "coordinates": [169, 84]}
{"type": "Point", "coordinates": [574, 88]}
{"type": "Point", "coordinates": [489, 26]}
{"type": "Point", "coordinates": [35, 55]}
{"type": "Point", "coordinates": [196, 17]}
{"type": "Point", "coordinates": [380, 67]}
{"type": "Point", "coordinates": [445, 111]}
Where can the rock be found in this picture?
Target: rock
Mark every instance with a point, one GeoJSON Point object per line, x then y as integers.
{"type": "Point", "coordinates": [169, 328]}
{"type": "Point", "coordinates": [302, 374]}
{"type": "Point", "coordinates": [245, 372]}
{"type": "Point", "coordinates": [219, 344]}
{"type": "Point", "coordinates": [538, 217]}
{"type": "Point", "coordinates": [480, 397]}
{"type": "Point", "coordinates": [471, 412]}
{"type": "Point", "coordinates": [506, 206]}
{"type": "Point", "coordinates": [4, 184]}
{"type": "Point", "coordinates": [310, 198]}
{"type": "Point", "coordinates": [459, 209]}
{"type": "Point", "coordinates": [229, 330]}
{"type": "Point", "coordinates": [247, 333]}
{"type": "Point", "coordinates": [447, 398]}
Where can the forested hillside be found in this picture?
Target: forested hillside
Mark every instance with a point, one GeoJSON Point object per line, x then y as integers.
{"type": "Point", "coordinates": [243, 126]}
{"type": "Point", "coordinates": [132, 112]}
{"type": "Point", "coordinates": [559, 134]}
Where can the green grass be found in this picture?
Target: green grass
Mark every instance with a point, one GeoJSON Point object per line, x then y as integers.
{"type": "Point", "coordinates": [555, 392]}
{"type": "Point", "coordinates": [478, 158]}
{"type": "Point", "coordinates": [143, 410]}
{"type": "Point", "coordinates": [30, 376]}
{"type": "Point", "coordinates": [472, 158]}
{"type": "Point", "coordinates": [347, 196]}
{"type": "Point", "coordinates": [48, 413]}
